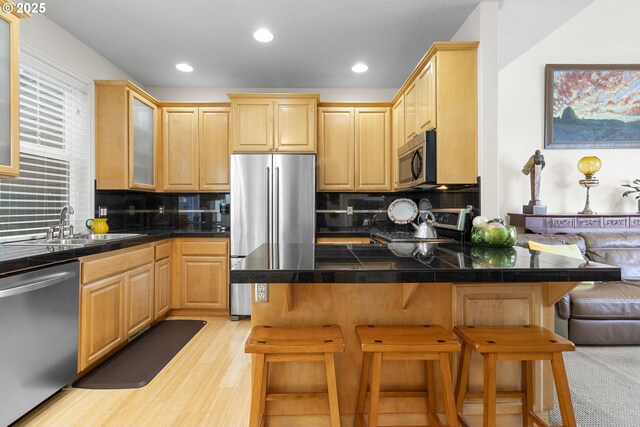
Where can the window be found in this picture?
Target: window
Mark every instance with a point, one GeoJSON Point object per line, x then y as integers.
{"type": "Point", "coordinates": [55, 152]}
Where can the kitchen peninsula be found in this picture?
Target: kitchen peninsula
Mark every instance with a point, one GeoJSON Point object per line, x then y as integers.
{"type": "Point", "coordinates": [447, 284]}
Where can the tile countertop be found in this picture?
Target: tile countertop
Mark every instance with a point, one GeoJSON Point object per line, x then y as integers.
{"type": "Point", "coordinates": [17, 258]}
{"type": "Point", "coordinates": [410, 262]}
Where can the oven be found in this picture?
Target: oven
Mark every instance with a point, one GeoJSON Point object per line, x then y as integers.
{"type": "Point", "coordinates": [417, 162]}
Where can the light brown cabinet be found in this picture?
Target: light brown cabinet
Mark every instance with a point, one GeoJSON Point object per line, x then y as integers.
{"type": "Point", "coordinates": [269, 123]}
{"type": "Point", "coordinates": [426, 97]}
{"type": "Point", "coordinates": [116, 300]}
{"type": "Point", "coordinates": [126, 137]}
{"type": "Point", "coordinates": [201, 277]}
{"type": "Point", "coordinates": [162, 278]}
{"type": "Point", "coordinates": [101, 319]}
{"type": "Point", "coordinates": [195, 148]}
{"type": "Point", "coordinates": [372, 149]}
{"type": "Point", "coordinates": [336, 162]}
{"type": "Point", "coordinates": [9, 94]}
{"type": "Point", "coordinates": [410, 110]}
{"type": "Point", "coordinates": [139, 302]}
{"type": "Point", "coordinates": [441, 95]}
{"type": "Point", "coordinates": [397, 137]}
{"type": "Point", "coordinates": [354, 149]}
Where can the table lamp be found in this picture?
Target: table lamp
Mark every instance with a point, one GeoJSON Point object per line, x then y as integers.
{"type": "Point", "coordinates": [588, 166]}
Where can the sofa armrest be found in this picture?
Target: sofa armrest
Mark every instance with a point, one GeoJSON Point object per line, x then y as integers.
{"type": "Point", "coordinates": [563, 307]}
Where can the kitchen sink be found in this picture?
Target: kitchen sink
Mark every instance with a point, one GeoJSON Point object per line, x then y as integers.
{"type": "Point", "coordinates": [112, 236]}
{"type": "Point", "coordinates": [79, 240]}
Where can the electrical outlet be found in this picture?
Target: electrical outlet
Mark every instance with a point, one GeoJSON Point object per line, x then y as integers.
{"type": "Point", "coordinates": [262, 292]}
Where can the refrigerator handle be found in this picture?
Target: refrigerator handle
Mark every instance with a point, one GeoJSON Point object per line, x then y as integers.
{"type": "Point", "coordinates": [276, 219]}
{"type": "Point", "coordinates": [268, 225]}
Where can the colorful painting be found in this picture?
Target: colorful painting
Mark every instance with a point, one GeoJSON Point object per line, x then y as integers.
{"type": "Point", "coordinates": [592, 106]}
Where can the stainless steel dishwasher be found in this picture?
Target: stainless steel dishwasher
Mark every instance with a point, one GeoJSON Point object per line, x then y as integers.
{"type": "Point", "coordinates": [38, 336]}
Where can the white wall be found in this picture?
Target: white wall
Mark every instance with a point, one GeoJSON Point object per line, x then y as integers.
{"type": "Point", "coordinates": [606, 32]}
{"type": "Point", "coordinates": [55, 46]}
{"type": "Point", "coordinates": [220, 94]}
{"type": "Point", "coordinates": [482, 26]}
{"type": "Point", "coordinates": [44, 36]}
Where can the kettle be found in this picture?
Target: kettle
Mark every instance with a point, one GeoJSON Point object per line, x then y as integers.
{"type": "Point", "coordinates": [426, 229]}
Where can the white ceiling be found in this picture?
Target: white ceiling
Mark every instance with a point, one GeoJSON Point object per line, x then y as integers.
{"type": "Point", "coordinates": [316, 42]}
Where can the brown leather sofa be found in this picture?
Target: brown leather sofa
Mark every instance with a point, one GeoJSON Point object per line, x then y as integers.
{"type": "Point", "coordinates": [600, 313]}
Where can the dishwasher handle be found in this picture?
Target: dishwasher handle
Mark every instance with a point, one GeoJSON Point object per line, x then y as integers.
{"type": "Point", "coordinates": [24, 286]}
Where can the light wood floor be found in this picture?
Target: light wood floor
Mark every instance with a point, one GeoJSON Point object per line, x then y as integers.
{"type": "Point", "coordinates": [207, 384]}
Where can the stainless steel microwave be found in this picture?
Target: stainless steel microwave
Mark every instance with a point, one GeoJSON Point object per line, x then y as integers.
{"type": "Point", "coordinates": [417, 162]}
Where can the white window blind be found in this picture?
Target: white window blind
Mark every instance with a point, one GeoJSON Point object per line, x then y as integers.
{"type": "Point", "coordinates": [54, 152]}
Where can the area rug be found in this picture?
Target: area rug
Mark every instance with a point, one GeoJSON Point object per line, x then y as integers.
{"type": "Point", "coordinates": [605, 386]}
{"type": "Point", "coordinates": [140, 361]}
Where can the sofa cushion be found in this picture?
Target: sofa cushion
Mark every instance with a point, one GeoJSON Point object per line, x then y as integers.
{"type": "Point", "coordinates": [552, 239]}
{"type": "Point", "coordinates": [628, 259]}
{"type": "Point", "coordinates": [607, 300]}
{"type": "Point", "coordinates": [611, 240]}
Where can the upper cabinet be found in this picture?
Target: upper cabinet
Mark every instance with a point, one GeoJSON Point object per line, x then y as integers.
{"type": "Point", "coordinates": [195, 148]}
{"type": "Point", "coordinates": [397, 137]}
{"type": "Point", "coordinates": [126, 137]}
{"type": "Point", "coordinates": [426, 97]}
{"type": "Point", "coordinates": [441, 95]}
{"type": "Point", "coordinates": [273, 123]}
{"type": "Point", "coordinates": [9, 93]}
{"type": "Point", "coordinates": [354, 149]}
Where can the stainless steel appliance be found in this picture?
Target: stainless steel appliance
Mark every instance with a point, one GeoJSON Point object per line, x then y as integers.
{"type": "Point", "coordinates": [452, 226]}
{"type": "Point", "coordinates": [38, 336]}
{"type": "Point", "coordinates": [273, 200]}
{"type": "Point", "coordinates": [417, 162]}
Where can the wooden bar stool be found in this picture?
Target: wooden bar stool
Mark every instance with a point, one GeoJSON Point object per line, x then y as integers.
{"type": "Point", "coordinates": [417, 342]}
{"type": "Point", "coordinates": [302, 344]}
{"type": "Point", "coordinates": [525, 343]}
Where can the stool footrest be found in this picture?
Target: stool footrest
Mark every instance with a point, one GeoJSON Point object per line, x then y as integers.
{"type": "Point", "coordinates": [294, 357]}
{"type": "Point", "coordinates": [401, 393]}
{"type": "Point", "coordinates": [500, 394]}
{"type": "Point", "coordinates": [296, 396]}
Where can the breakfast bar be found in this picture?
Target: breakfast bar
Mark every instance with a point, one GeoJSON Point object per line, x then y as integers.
{"type": "Point", "coordinates": [403, 284]}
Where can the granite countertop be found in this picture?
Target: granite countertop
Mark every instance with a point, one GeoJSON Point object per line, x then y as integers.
{"type": "Point", "coordinates": [411, 262]}
{"type": "Point", "coordinates": [15, 258]}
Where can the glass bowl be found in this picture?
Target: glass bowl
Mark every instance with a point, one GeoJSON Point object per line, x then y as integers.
{"type": "Point", "coordinates": [494, 237]}
{"type": "Point", "coordinates": [491, 257]}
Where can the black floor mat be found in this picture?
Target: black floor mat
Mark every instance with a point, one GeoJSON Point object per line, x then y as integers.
{"type": "Point", "coordinates": [136, 364]}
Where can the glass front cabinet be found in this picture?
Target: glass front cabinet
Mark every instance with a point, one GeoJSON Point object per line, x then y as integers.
{"type": "Point", "coordinates": [9, 98]}
{"type": "Point", "coordinates": [126, 137]}
{"type": "Point", "coordinates": [142, 142]}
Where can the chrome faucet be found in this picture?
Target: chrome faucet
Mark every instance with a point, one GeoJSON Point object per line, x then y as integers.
{"type": "Point", "coordinates": [64, 219]}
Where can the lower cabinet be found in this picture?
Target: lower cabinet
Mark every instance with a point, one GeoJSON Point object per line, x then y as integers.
{"type": "Point", "coordinates": [101, 319]}
{"type": "Point", "coordinates": [139, 291]}
{"type": "Point", "coordinates": [201, 279]}
{"type": "Point", "coordinates": [163, 287]}
{"type": "Point", "coordinates": [120, 295]}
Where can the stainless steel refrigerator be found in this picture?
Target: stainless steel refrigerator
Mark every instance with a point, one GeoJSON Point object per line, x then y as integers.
{"type": "Point", "coordinates": [272, 201]}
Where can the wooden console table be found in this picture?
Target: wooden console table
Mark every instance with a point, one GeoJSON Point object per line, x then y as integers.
{"type": "Point", "coordinates": [574, 223]}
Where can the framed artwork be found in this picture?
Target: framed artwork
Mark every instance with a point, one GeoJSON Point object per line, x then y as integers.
{"type": "Point", "coordinates": [592, 106]}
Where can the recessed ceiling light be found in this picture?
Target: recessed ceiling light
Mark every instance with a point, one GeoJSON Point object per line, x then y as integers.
{"type": "Point", "coordinates": [359, 68]}
{"type": "Point", "coordinates": [184, 67]}
{"type": "Point", "coordinates": [263, 35]}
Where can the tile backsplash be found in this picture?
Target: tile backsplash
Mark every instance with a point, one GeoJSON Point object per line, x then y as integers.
{"type": "Point", "coordinates": [380, 202]}
{"type": "Point", "coordinates": [127, 210]}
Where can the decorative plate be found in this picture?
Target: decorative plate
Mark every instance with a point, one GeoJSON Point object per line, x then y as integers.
{"type": "Point", "coordinates": [402, 211]}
